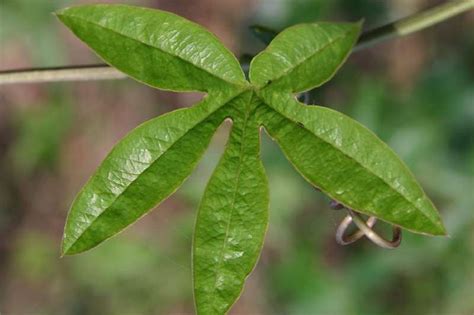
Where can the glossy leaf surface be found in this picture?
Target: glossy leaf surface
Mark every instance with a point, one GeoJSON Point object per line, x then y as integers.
{"type": "Point", "coordinates": [332, 151]}
{"type": "Point", "coordinates": [143, 169]}
{"type": "Point", "coordinates": [233, 216]}
{"type": "Point", "coordinates": [304, 56]}
{"type": "Point", "coordinates": [155, 47]}
{"type": "Point", "coordinates": [349, 163]}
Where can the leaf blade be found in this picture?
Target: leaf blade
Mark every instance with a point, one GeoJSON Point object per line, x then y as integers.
{"type": "Point", "coordinates": [142, 170]}
{"type": "Point", "coordinates": [136, 40]}
{"type": "Point", "coordinates": [349, 163]}
{"type": "Point", "coordinates": [231, 221]}
{"type": "Point", "coordinates": [304, 56]}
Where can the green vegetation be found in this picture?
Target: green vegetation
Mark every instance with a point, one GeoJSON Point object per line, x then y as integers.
{"type": "Point", "coordinates": [426, 119]}
{"type": "Point", "coordinates": [333, 152]}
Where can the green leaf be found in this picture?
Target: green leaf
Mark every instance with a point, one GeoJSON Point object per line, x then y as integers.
{"type": "Point", "coordinates": [304, 56]}
{"type": "Point", "coordinates": [142, 170]}
{"type": "Point", "coordinates": [155, 47]}
{"type": "Point", "coordinates": [349, 163]}
{"type": "Point", "coordinates": [330, 150]}
{"type": "Point", "coordinates": [232, 218]}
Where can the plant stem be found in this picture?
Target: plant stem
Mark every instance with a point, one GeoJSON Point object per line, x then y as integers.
{"type": "Point", "coordinates": [402, 27]}
{"type": "Point", "coordinates": [60, 74]}
{"type": "Point", "coordinates": [414, 23]}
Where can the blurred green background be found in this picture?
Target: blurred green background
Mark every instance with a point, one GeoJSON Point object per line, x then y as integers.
{"type": "Point", "coordinates": [416, 93]}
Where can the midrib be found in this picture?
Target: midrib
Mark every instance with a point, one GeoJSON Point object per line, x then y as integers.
{"type": "Point", "coordinates": [150, 165]}
{"type": "Point", "coordinates": [154, 47]}
{"type": "Point", "coordinates": [351, 158]}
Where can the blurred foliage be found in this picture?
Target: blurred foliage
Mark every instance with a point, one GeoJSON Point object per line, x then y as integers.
{"type": "Point", "coordinates": [29, 21]}
{"type": "Point", "coordinates": [34, 257]}
{"type": "Point", "coordinates": [429, 123]}
{"type": "Point", "coordinates": [40, 132]}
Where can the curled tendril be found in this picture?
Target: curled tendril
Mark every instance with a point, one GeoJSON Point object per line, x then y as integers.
{"type": "Point", "coordinates": [364, 229]}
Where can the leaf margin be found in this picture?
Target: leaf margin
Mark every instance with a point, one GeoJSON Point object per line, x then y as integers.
{"type": "Point", "coordinates": [270, 83]}
{"type": "Point", "coordinates": [440, 225]}
{"type": "Point", "coordinates": [266, 209]}
{"type": "Point", "coordinates": [65, 250]}
{"type": "Point", "coordinates": [61, 15]}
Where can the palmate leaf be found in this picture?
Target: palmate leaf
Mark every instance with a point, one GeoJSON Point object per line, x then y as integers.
{"type": "Point", "coordinates": [332, 151]}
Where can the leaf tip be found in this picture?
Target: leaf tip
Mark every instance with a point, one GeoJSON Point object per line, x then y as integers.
{"type": "Point", "coordinates": [67, 246]}
{"type": "Point", "coordinates": [442, 230]}
{"type": "Point", "coordinates": [438, 229]}
{"type": "Point", "coordinates": [64, 248]}
{"type": "Point", "coordinates": [61, 12]}
{"type": "Point", "coordinates": [61, 15]}
{"type": "Point", "coordinates": [65, 12]}
{"type": "Point", "coordinates": [68, 251]}
{"type": "Point", "coordinates": [358, 25]}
